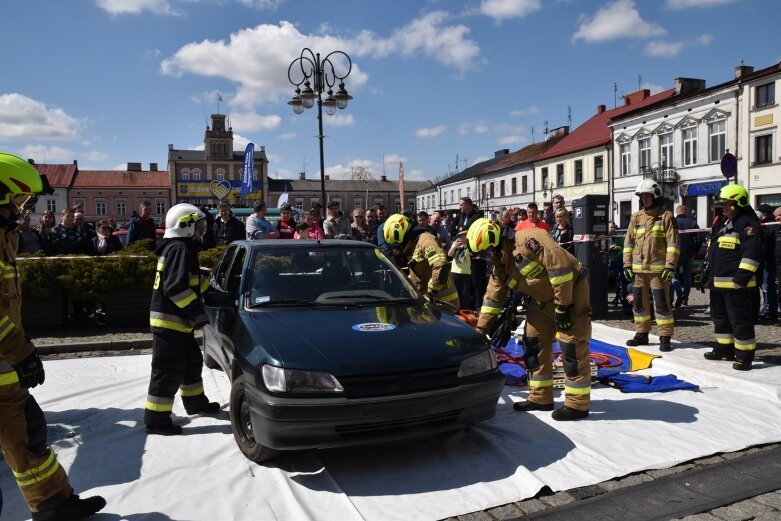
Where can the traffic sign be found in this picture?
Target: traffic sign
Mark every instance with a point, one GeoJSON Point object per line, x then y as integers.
{"type": "Point", "coordinates": [729, 165]}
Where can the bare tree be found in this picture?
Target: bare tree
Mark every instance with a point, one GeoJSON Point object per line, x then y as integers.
{"type": "Point", "coordinates": [359, 173]}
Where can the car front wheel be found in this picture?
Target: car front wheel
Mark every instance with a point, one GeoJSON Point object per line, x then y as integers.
{"type": "Point", "coordinates": [241, 424]}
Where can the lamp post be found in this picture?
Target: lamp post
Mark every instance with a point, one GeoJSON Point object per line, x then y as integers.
{"type": "Point", "coordinates": [547, 187]}
{"type": "Point", "coordinates": [324, 76]}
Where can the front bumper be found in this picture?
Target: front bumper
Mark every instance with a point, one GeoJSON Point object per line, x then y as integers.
{"type": "Point", "coordinates": [303, 423]}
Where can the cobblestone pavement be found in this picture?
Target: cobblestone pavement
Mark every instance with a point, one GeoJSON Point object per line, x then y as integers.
{"type": "Point", "coordinates": [693, 325]}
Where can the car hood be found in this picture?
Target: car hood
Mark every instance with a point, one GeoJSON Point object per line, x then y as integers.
{"type": "Point", "coordinates": [364, 340]}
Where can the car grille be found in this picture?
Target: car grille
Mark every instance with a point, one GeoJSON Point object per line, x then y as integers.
{"type": "Point", "coordinates": [398, 426]}
{"type": "Point", "coordinates": [365, 386]}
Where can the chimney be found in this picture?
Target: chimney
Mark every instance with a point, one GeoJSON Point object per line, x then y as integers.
{"type": "Point", "coordinates": [601, 109]}
{"type": "Point", "coordinates": [636, 97]}
{"type": "Point", "coordinates": [31, 161]}
{"type": "Point", "coordinates": [153, 167]}
{"type": "Point", "coordinates": [383, 178]}
{"type": "Point", "coordinates": [327, 177]}
{"type": "Point", "coordinates": [170, 146]}
{"type": "Point", "coordinates": [685, 86]}
{"type": "Point", "coordinates": [502, 152]}
{"type": "Point", "coordinates": [134, 167]}
{"type": "Point", "coordinates": [76, 162]}
{"type": "Point", "coordinates": [302, 176]}
{"type": "Point", "coordinates": [741, 70]}
{"type": "Point", "coordinates": [560, 131]}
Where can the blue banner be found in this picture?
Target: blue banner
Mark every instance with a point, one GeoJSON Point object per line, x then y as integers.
{"type": "Point", "coordinates": [249, 163]}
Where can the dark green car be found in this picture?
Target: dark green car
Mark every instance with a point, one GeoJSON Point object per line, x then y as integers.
{"type": "Point", "coordinates": [327, 344]}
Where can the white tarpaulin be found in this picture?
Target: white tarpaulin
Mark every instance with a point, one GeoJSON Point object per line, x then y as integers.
{"type": "Point", "coordinates": [94, 407]}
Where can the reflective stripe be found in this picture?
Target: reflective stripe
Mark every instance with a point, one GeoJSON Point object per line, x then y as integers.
{"type": "Point", "coordinates": [729, 283]}
{"type": "Point", "coordinates": [160, 264]}
{"type": "Point", "coordinates": [6, 325]}
{"type": "Point", "coordinates": [673, 249]}
{"type": "Point", "coordinates": [540, 382]}
{"type": "Point", "coordinates": [450, 297]}
{"type": "Point", "coordinates": [559, 277]}
{"type": "Point", "coordinates": [748, 264]}
{"type": "Point", "coordinates": [662, 320]}
{"type": "Point", "coordinates": [168, 321]}
{"type": "Point", "coordinates": [640, 230]}
{"type": "Point", "coordinates": [629, 249]}
{"type": "Point", "coordinates": [569, 389]}
{"type": "Point", "coordinates": [184, 298]}
{"type": "Point", "coordinates": [746, 345]}
{"type": "Point", "coordinates": [164, 324]}
{"type": "Point", "coordinates": [641, 317]}
{"type": "Point", "coordinates": [9, 378]}
{"type": "Point", "coordinates": [531, 269]}
{"type": "Point", "coordinates": [490, 310]}
{"type": "Point", "coordinates": [193, 389]}
{"type": "Point", "coordinates": [204, 284]}
{"type": "Point", "coordinates": [512, 283]}
{"type": "Point", "coordinates": [159, 404]}
{"type": "Point", "coordinates": [438, 257]}
{"type": "Point", "coordinates": [724, 338]}
{"type": "Point", "coordinates": [39, 473]}
{"type": "Point", "coordinates": [731, 238]}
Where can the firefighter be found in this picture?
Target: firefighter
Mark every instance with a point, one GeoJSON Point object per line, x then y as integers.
{"type": "Point", "coordinates": [43, 482]}
{"type": "Point", "coordinates": [429, 269]}
{"type": "Point", "coordinates": [175, 312]}
{"type": "Point", "coordinates": [650, 255]}
{"type": "Point", "coordinates": [734, 257]}
{"type": "Point", "coordinates": [533, 263]}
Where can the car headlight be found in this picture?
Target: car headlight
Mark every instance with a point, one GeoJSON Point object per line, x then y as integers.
{"type": "Point", "coordinates": [282, 380]}
{"type": "Point", "coordinates": [480, 363]}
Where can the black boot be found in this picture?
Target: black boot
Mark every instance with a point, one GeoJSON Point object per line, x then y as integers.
{"type": "Point", "coordinates": [742, 366]}
{"type": "Point", "coordinates": [164, 430]}
{"type": "Point", "coordinates": [204, 408]}
{"type": "Point", "coordinates": [532, 406]}
{"type": "Point", "coordinates": [719, 354]}
{"type": "Point", "coordinates": [640, 339]}
{"type": "Point", "coordinates": [61, 509]}
{"type": "Point", "coordinates": [566, 414]}
{"type": "Point", "coordinates": [664, 344]}
{"type": "Point", "coordinates": [678, 302]}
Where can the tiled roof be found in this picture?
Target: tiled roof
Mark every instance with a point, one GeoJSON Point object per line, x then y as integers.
{"type": "Point", "coordinates": [122, 179]}
{"type": "Point", "coordinates": [525, 155]}
{"type": "Point", "coordinates": [595, 132]}
{"type": "Point", "coordinates": [472, 171]}
{"type": "Point", "coordinates": [343, 185]}
{"type": "Point", "coordinates": [59, 176]}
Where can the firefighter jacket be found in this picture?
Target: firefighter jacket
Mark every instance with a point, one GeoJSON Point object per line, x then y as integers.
{"type": "Point", "coordinates": [735, 252]}
{"type": "Point", "coordinates": [542, 261]}
{"type": "Point", "coordinates": [428, 264]}
{"type": "Point", "coordinates": [651, 242]}
{"type": "Point", "coordinates": [14, 346]}
{"type": "Point", "coordinates": [176, 305]}
{"type": "Point", "coordinates": [506, 277]}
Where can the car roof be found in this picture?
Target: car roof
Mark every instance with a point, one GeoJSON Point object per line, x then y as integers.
{"type": "Point", "coordinates": [304, 244]}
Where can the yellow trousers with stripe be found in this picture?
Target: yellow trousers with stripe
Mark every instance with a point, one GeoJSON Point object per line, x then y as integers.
{"type": "Point", "coordinates": [23, 438]}
{"type": "Point", "coordinates": [651, 283]}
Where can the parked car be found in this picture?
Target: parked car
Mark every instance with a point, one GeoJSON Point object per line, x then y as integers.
{"type": "Point", "coordinates": [327, 344]}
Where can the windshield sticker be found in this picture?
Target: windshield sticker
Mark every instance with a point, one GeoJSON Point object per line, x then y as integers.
{"type": "Point", "coordinates": [373, 327]}
{"type": "Point", "coordinates": [261, 300]}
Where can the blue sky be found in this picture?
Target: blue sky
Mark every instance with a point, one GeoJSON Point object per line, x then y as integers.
{"type": "Point", "coordinates": [111, 81]}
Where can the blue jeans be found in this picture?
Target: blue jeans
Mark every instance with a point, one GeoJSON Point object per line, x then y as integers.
{"type": "Point", "coordinates": [682, 283]}
{"type": "Point", "coordinates": [769, 293]}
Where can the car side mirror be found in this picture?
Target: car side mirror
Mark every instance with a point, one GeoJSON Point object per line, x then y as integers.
{"type": "Point", "coordinates": [218, 299]}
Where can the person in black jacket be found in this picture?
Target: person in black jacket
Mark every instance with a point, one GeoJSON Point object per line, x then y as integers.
{"type": "Point", "coordinates": [479, 266]}
{"type": "Point", "coordinates": [690, 243]}
{"type": "Point", "coordinates": [174, 313]}
{"type": "Point", "coordinates": [226, 227]}
{"type": "Point", "coordinates": [734, 258]}
{"type": "Point", "coordinates": [769, 310]}
{"type": "Point", "coordinates": [105, 241]}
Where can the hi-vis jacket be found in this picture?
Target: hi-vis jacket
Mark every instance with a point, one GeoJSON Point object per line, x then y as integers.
{"type": "Point", "coordinates": [429, 267]}
{"type": "Point", "coordinates": [735, 251]}
{"type": "Point", "coordinates": [178, 285]}
{"type": "Point", "coordinates": [651, 242]}
{"type": "Point", "coordinates": [14, 347]}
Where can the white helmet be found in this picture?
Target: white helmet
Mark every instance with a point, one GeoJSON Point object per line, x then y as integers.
{"type": "Point", "coordinates": [648, 186]}
{"type": "Point", "coordinates": [185, 220]}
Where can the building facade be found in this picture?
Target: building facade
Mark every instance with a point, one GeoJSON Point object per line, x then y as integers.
{"type": "Point", "coordinates": [60, 177]}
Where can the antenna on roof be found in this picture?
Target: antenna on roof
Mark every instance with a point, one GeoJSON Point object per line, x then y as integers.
{"type": "Point", "coordinates": [303, 164]}
{"type": "Point", "coordinates": [545, 130]}
{"type": "Point", "coordinates": [532, 135]}
{"type": "Point", "coordinates": [639, 81]}
{"type": "Point", "coordinates": [615, 95]}
{"type": "Point", "coordinates": [569, 116]}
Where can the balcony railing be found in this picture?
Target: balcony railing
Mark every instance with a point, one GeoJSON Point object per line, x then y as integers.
{"type": "Point", "coordinates": [660, 174]}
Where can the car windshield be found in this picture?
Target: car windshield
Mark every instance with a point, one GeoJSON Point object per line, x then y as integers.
{"type": "Point", "coordinates": [325, 276]}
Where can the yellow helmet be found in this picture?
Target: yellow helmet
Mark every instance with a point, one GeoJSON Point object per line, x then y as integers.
{"type": "Point", "coordinates": [483, 234]}
{"type": "Point", "coordinates": [395, 228]}
{"type": "Point", "coordinates": [733, 192]}
{"type": "Point", "coordinates": [19, 180]}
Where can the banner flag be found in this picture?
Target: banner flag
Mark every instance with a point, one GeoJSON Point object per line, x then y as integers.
{"type": "Point", "coordinates": [246, 177]}
{"type": "Point", "coordinates": [401, 185]}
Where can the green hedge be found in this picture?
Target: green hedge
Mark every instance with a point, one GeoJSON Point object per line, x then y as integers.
{"type": "Point", "coordinates": [84, 277]}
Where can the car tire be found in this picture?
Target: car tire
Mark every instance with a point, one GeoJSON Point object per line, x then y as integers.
{"type": "Point", "coordinates": [241, 425]}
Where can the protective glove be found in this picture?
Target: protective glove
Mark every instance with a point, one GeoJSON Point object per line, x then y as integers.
{"type": "Point", "coordinates": [30, 371]}
{"type": "Point", "coordinates": [430, 298]}
{"type": "Point", "coordinates": [563, 320]}
{"type": "Point", "coordinates": [667, 274]}
{"type": "Point", "coordinates": [629, 275]}
{"type": "Point", "coordinates": [702, 280]}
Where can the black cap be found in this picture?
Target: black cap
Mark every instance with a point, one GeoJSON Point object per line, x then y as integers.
{"type": "Point", "coordinates": [333, 203]}
{"type": "Point", "coordinates": [285, 208]}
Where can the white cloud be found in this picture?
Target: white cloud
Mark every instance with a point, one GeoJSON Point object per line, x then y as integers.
{"type": "Point", "coordinates": [239, 142]}
{"type": "Point", "coordinates": [414, 175]}
{"type": "Point", "coordinates": [287, 136]}
{"type": "Point", "coordinates": [619, 19]}
{"type": "Point", "coordinates": [44, 154]}
{"type": "Point", "coordinates": [25, 118]}
{"type": "Point", "coordinates": [512, 140]}
{"type": "Point", "coordinates": [503, 9]}
{"type": "Point", "coordinates": [478, 127]}
{"type": "Point", "coordinates": [96, 156]}
{"type": "Point", "coordinates": [685, 4]}
{"type": "Point", "coordinates": [253, 122]}
{"type": "Point", "coordinates": [430, 132]}
{"type": "Point", "coordinates": [270, 5]}
{"type": "Point", "coordinates": [273, 158]}
{"type": "Point", "coordinates": [120, 7]}
{"type": "Point", "coordinates": [528, 111]}
{"type": "Point", "coordinates": [339, 120]}
{"type": "Point", "coordinates": [655, 89]}
{"type": "Point", "coordinates": [667, 49]}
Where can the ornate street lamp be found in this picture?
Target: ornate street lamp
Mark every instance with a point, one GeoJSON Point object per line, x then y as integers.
{"type": "Point", "coordinates": [547, 186]}
{"type": "Point", "coordinates": [324, 75]}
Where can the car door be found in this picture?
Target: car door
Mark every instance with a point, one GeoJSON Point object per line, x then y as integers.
{"type": "Point", "coordinates": [221, 306]}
